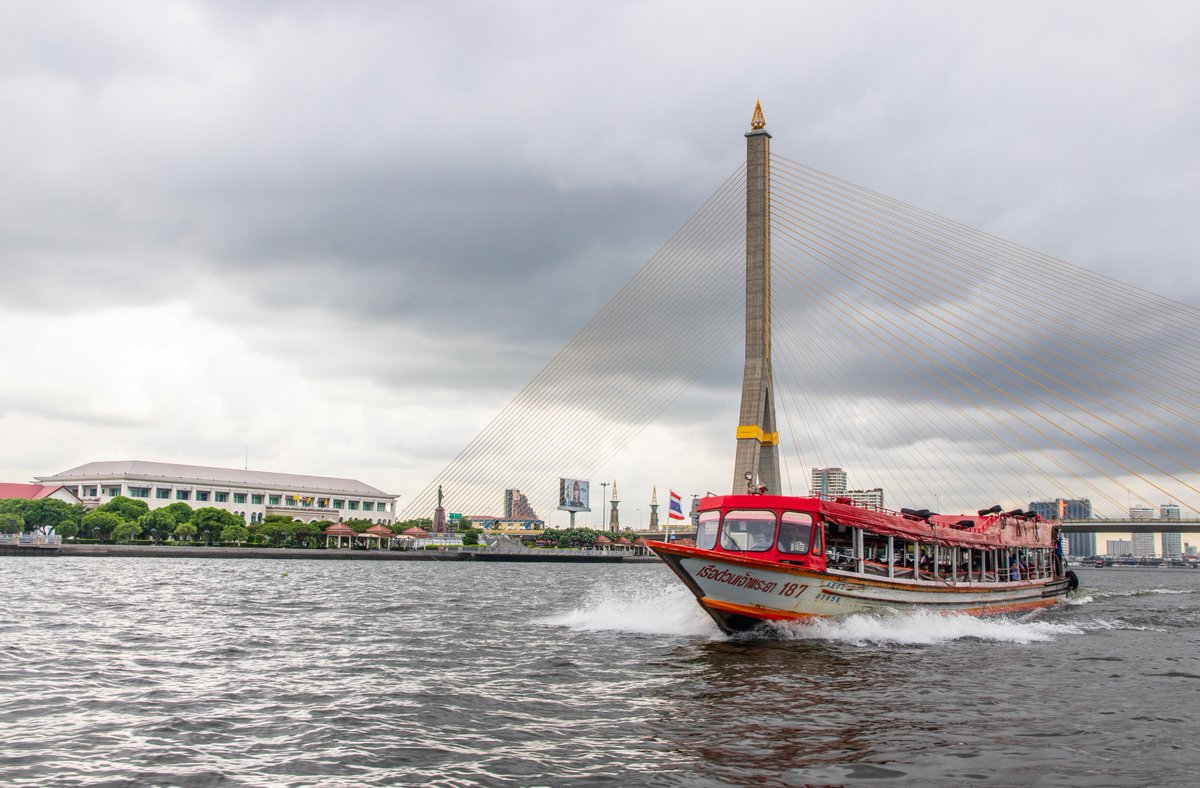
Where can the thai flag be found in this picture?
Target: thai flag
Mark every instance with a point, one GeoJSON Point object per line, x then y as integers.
{"type": "Point", "coordinates": [676, 507]}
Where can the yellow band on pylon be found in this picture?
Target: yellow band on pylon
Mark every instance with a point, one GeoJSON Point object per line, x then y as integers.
{"type": "Point", "coordinates": [750, 431]}
{"type": "Point", "coordinates": [755, 432]}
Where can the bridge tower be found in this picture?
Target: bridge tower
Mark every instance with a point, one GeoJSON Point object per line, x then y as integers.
{"type": "Point", "coordinates": [757, 437]}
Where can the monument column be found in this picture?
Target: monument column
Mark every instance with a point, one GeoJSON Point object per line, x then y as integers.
{"type": "Point", "coordinates": [654, 508]}
{"type": "Point", "coordinates": [439, 515]}
{"type": "Point", "coordinates": [614, 520]}
{"type": "Point", "coordinates": [757, 437]}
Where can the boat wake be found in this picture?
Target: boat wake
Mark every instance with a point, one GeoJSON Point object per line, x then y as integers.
{"type": "Point", "coordinates": [668, 609]}
{"type": "Point", "coordinates": [922, 628]}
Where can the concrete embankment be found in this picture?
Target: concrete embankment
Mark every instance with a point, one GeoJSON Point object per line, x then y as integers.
{"type": "Point", "coordinates": [169, 551]}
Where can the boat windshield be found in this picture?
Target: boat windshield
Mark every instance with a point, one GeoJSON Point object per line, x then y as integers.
{"type": "Point", "coordinates": [748, 530]}
{"type": "Point", "coordinates": [706, 530]}
{"type": "Point", "coordinates": [795, 530]}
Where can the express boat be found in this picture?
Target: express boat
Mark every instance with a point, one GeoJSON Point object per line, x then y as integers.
{"type": "Point", "coordinates": [781, 558]}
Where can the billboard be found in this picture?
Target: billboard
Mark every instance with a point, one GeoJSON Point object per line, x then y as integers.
{"type": "Point", "coordinates": [573, 495]}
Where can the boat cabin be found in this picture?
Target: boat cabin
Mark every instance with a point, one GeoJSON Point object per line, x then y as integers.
{"type": "Point", "coordinates": [845, 538]}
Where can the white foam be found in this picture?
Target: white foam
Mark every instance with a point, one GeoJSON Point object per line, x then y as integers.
{"type": "Point", "coordinates": [1109, 624]}
{"type": "Point", "coordinates": [1078, 600]}
{"type": "Point", "coordinates": [648, 610]}
{"type": "Point", "coordinates": [924, 628]}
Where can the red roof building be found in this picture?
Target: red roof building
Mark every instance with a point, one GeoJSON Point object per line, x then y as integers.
{"type": "Point", "coordinates": [34, 492]}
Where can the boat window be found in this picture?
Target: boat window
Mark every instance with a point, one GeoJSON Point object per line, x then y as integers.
{"type": "Point", "coordinates": [875, 554]}
{"type": "Point", "coordinates": [748, 531]}
{"type": "Point", "coordinates": [839, 546]}
{"type": "Point", "coordinates": [706, 530]}
{"type": "Point", "coordinates": [795, 531]}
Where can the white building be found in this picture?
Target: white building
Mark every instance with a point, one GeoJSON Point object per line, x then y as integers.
{"type": "Point", "coordinates": [828, 482]}
{"type": "Point", "coordinates": [249, 494]}
{"type": "Point", "coordinates": [867, 497]}
{"type": "Point", "coordinates": [1119, 547]}
{"type": "Point", "coordinates": [1143, 546]}
{"type": "Point", "coordinates": [1141, 513]}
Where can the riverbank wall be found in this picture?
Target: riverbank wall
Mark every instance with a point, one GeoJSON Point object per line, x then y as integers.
{"type": "Point", "coordinates": [276, 553]}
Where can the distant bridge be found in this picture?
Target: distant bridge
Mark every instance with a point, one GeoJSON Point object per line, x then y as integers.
{"type": "Point", "coordinates": [1127, 525]}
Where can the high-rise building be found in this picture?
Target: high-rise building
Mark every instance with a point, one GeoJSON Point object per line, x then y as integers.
{"type": "Point", "coordinates": [1143, 546]}
{"type": "Point", "coordinates": [516, 506]}
{"type": "Point", "coordinates": [828, 482]}
{"type": "Point", "coordinates": [1172, 545]}
{"type": "Point", "coordinates": [1168, 511]}
{"type": "Point", "coordinates": [1063, 509]}
{"type": "Point", "coordinates": [1119, 547]}
{"type": "Point", "coordinates": [1141, 513]}
{"type": "Point", "coordinates": [1081, 545]}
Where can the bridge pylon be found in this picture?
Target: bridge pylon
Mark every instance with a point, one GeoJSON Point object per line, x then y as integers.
{"type": "Point", "coordinates": [757, 458]}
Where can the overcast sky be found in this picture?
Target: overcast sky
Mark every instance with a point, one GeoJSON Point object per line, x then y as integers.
{"type": "Point", "coordinates": [336, 236]}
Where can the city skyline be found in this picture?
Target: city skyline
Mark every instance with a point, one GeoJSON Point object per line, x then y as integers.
{"type": "Point", "coordinates": [292, 238]}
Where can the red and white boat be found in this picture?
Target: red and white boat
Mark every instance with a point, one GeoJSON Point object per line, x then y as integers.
{"type": "Point", "coordinates": [782, 558]}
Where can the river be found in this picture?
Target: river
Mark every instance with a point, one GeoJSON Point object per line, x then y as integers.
{"type": "Point", "coordinates": [194, 672]}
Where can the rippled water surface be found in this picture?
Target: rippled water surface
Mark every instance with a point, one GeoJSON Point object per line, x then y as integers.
{"type": "Point", "coordinates": [343, 673]}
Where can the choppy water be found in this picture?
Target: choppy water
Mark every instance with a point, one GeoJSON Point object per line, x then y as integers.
{"type": "Point", "coordinates": [211, 672]}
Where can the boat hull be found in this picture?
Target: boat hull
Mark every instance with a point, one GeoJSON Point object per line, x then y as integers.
{"type": "Point", "coordinates": [740, 593]}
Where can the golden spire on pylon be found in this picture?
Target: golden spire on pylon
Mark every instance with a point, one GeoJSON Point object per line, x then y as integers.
{"type": "Point", "coordinates": [758, 122]}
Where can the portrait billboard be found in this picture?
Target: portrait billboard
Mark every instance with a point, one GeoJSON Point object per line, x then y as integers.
{"type": "Point", "coordinates": [573, 495]}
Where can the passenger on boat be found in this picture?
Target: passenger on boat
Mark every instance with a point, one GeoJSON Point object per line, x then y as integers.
{"type": "Point", "coordinates": [793, 537]}
{"type": "Point", "coordinates": [1014, 570]}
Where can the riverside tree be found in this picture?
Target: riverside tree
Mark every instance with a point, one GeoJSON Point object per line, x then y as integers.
{"type": "Point", "coordinates": [99, 525]}
{"type": "Point", "coordinates": [180, 511]}
{"type": "Point", "coordinates": [11, 523]}
{"type": "Point", "coordinates": [184, 531]}
{"type": "Point", "coordinates": [129, 509]}
{"type": "Point", "coordinates": [214, 520]}
{"type": "Point", "coordinates": [158, 523]}
{"type": "Point", "coordinates": [42, 514]}
{"type": "Point", "coordinates": [235, 533]}
{"type": "Point", "coordinates": [126, 531]}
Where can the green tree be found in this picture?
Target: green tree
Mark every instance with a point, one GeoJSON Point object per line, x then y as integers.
{"type": "Point", "coordinates": [309, 534]}
{"type": "Point", "coordinates": [126, 531]}
{"type": "Point", "coordinates": [185, 531]}
{"type": "Point", "coordinates": [470, 537]}
{"type": "Point", "coordinates": [276, 532]}
{"type": "Point", "coordinates": [157, 523]}
{"type": "Point", "coordinates": [234, 533]}
{"type": "Point", "coordinates": [14, 505]}
{"type": "Point", "coordinates": [45, 513]}
{"type": "Point", "coordinates": [180, 511]}
{"type": "Point", "coordinates": [126, 508]}
{"type": "Point", "coordinates": [11, 523]}
{"type": "Point", "coordinates": [66, 529]}
{"type": "Point", "coordinates": [278, 518]}
{"type": "Point", "coordinates": [100, 524]}
{"type": "Point", "coordinates": [214, 520]}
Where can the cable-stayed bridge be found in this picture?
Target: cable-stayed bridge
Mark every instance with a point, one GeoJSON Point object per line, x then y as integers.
{"type": "Point", "coordinates": [949, 367]}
